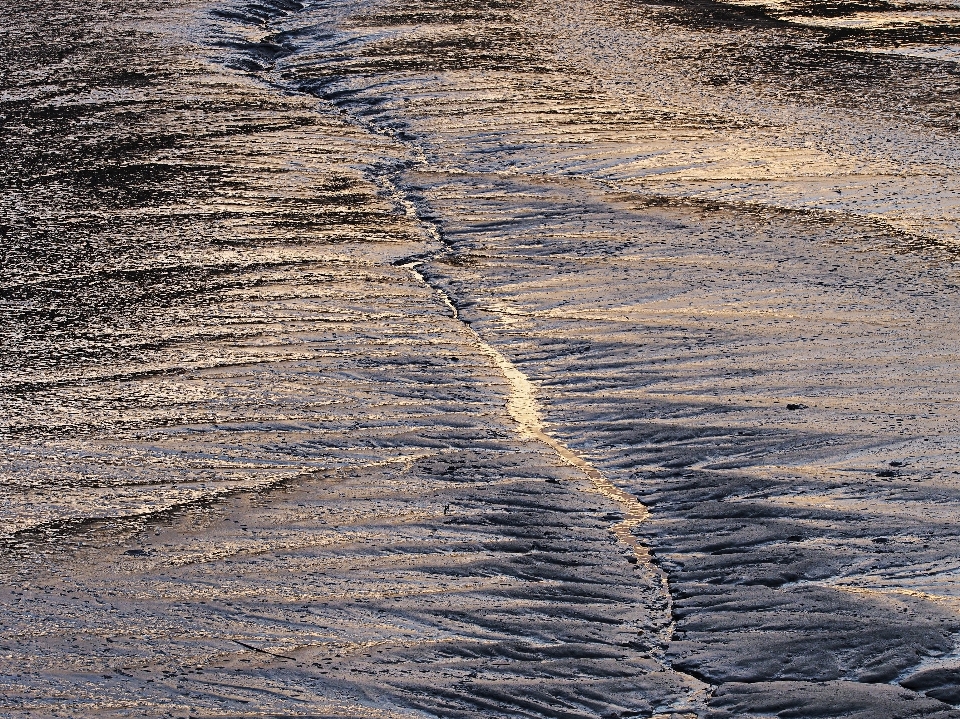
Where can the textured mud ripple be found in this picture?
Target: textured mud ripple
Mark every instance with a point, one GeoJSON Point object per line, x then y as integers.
{"type": "Point", "coordinates": [800, 479]}
{"type": "Point", "coordinates": [734, 298]}
{"type": "Point", "coordinates": [253, 467]}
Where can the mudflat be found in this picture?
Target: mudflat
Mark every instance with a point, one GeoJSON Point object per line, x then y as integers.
{"type": "Point", "coordinates": [479, 359]}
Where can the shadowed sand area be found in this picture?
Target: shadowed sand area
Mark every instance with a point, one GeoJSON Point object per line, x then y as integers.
{"type": "Point", "coordinates": [487, 359]}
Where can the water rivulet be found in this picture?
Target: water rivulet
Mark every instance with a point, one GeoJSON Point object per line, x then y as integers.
{"type": "Point", "coordinates": [479, 358]}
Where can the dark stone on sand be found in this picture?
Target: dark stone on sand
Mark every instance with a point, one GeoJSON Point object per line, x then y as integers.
{"type": "Point", "coordinates": [850, 700]}
{"type": "Point", "coordinates": [942, 684]}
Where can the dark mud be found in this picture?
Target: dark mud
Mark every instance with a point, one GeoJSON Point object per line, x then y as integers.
{"type": "Point", "coordinates": [340, 340]}
{"type": "Point", "coordinates": [254, 467]}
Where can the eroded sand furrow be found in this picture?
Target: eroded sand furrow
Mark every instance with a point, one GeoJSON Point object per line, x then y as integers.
{"type": "Point", "coordinates": [524, 409]}
{"type": "Point", "coordinates": [610, 179]}
{"type": "Point", "coordinates": [390, 545]}
{"type": "Point", "coordinates": [750, 369]}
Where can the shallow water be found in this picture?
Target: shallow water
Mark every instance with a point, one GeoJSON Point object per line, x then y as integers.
{"type": "Point", "coordinates": [479, 359]}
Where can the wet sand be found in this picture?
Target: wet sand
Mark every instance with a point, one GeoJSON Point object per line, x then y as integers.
{"type": "Point", "coordinates": [479, 359]}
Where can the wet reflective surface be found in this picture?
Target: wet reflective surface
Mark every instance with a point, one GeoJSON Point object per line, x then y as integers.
{"type": "Point", "coordinates": [479, 359]}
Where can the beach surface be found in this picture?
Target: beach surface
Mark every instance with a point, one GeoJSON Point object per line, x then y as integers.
{"type": "Point", "coordinates": [479, 359]}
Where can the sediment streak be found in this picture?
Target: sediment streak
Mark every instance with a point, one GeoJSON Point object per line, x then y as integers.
{"type": "Point", "coordinates": [522, 405]}
{"type": "Point", "coordinates": [523, 408]}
